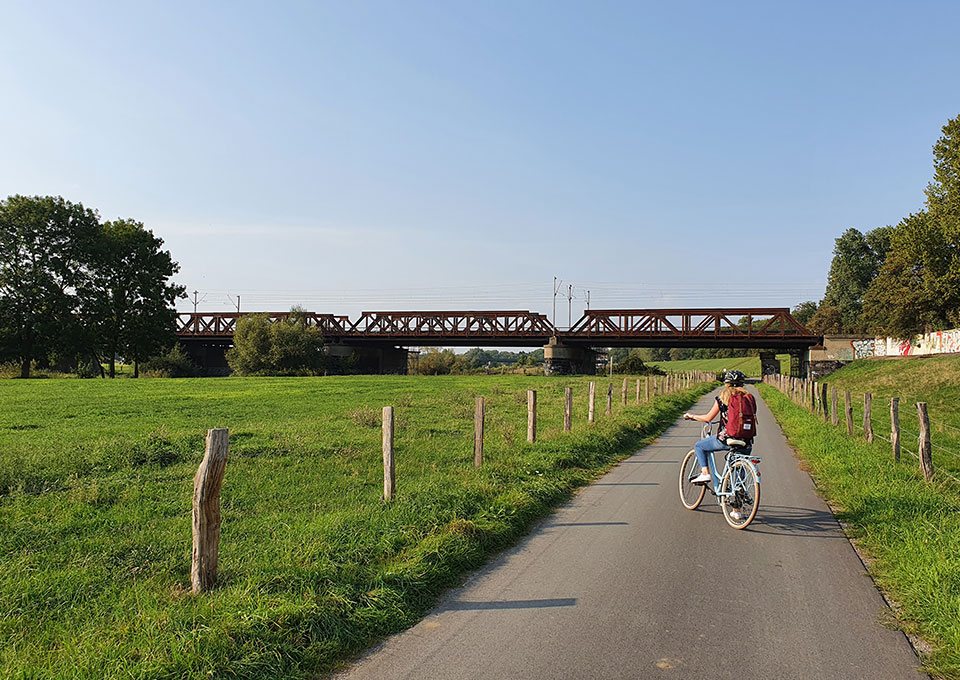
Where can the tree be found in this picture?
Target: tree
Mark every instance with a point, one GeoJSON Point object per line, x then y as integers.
{"type": "Point", "coordinates": [804, 311]}
{"type": "Point", "coordinates": [128, 298]}
{"type": "Point", "coordinates": [45, 245]}
{"type": "Point", "coordinates": [286, 347]}
{"type": "Point", "coordinates": [857, 259]}
{"type": "Point", "coordinates": [826, 319]}
{"type": "Point", "coordinates": [919, 284]}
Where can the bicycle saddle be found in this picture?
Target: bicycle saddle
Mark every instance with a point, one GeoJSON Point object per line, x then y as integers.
{"type": "Point", "coordinates": [736, 442]}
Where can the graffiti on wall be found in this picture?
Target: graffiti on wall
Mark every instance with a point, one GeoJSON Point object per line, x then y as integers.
{"type": "Point", "coordinates": [862, 349]}
{"type": "Point", "coordinates": [937, 342]}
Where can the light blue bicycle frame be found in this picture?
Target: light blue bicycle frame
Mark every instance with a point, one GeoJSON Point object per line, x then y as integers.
{"type": "Point", "coordinates": [728, 461]}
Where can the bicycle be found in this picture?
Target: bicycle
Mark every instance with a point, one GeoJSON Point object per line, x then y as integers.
{"type": "Point", "coordinates": [737, 488]}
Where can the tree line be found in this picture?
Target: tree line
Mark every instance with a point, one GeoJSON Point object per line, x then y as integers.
{"type": "Point", "coordinates": [77, 292]}
{"type": "Point", "coordinates": [904, 279]}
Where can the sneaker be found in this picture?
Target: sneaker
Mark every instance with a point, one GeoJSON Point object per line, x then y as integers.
{"type": "Point", "coordinates": [702, 479]}
{"type": "Point", "coordinates": [735, 515]}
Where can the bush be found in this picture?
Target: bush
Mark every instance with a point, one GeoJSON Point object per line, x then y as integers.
{"type": "Point", "coordinates": [175, 363]}
{"type": "Point", "coordinates": [88, 369]}
{"type": "Point", "coordinates": [285, 347]}
{"type": "Point", "coordinates": [633, 365]}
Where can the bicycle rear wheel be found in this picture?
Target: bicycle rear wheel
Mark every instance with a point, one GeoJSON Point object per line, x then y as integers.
{"type": "Point", "coordinates": [691, 494]}
{"type": "Point", "coordinates": [740, 494]}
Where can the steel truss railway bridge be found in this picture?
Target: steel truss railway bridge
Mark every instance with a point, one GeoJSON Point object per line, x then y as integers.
{"type": "Point", "coordinates": [377, 339]}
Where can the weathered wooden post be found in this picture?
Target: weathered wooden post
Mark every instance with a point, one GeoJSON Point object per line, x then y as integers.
{"type": "Point", "coordinates": [389, 471]}
{"type": "Point", "coordinates": [567, 409]}
{"type": "Point", "coordinates": [478, 433]}
{"type": "Point", "coordinates": [867, 422]}
{"type": "Point", "coordinates": [848, 409]}
{"type": "Point", "coordinates": [646, 388]}
{"type": "Point", "coordinates": [638, 390]}
{"type": "Point", "coordinates": [824, 411]}
{"type": "Point", "coordinates": [895, 427]}
{"type": "Point", "coordinates": [591, 401]}
{"type": "Point", "coordinates": [624, 391]}
{"type": "Point", "coordinates": [206, 511]}
{"type": "Point", "coordinates": [531, 416]}
{"type": "Point", "coordinates": [925, 448]}
{"type": "Point", "coordinates": [609, 398]}
{"type": "Point", "coordinates": [834, 413]}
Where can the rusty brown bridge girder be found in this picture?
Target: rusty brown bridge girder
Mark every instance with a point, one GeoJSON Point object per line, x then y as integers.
{"type": "Point", "coordinates": [766, 328]}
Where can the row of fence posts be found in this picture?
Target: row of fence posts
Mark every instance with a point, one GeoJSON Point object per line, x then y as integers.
{"type": "Point", "coordinates": [209, 477]}
{"type": "Point", "coordinates": [813, 395]}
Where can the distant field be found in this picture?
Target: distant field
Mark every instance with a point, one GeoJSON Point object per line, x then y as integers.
{"type": "Point", "coordinates": [95, 493]}
{"type": "Point", "coordinates": [910, 528]}
{"type": "Point", "coordinates": [749, 365]}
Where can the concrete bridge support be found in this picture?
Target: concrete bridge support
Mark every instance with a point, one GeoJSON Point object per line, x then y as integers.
{"type": "Point", "coordinates": [769, 364]}
{"type": "Point", "coordinates": [567, 359]}
{"type": "Point", "coordinates": [799, 363]}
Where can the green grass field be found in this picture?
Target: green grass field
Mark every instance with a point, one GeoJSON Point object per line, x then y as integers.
{"type": "Point", "coordinates": [95, 494]}
{"type": "Point", "coordinates": [934, 380]}
{"type": "Point", "coordinates": [908, 527]}
{"type": "Point", "coordinates": [749, 365]}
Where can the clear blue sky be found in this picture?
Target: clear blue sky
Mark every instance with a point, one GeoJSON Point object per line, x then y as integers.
{"type": "Point", "coordinates": [349, 155]}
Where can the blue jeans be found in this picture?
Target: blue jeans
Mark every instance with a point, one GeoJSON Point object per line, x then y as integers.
{"type": "Point", "coordinates": [708, 445]}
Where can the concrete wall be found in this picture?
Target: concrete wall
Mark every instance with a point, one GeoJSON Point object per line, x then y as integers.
{"type": "Point", "coordinates": [838, 350]}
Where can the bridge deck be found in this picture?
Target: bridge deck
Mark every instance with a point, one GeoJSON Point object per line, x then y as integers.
{"type": "Point", "coordinates": [772, 328]}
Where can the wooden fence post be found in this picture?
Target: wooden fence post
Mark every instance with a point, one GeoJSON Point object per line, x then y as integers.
{"type": "Point", "coordinates": [867, 423]}
{"type": "Point", "coordinates": [638, 390]}
{"type": "Point", "coordinates": [834, 413]}
{"type": "Point", "coordinates": [567, 409]}
{"type": "Point", "coordinates": [925, 453]}
{"type": "Point", "coordinates": [478, 433]}
{"type": "Point", "coordinates": [609, 398]}
{"type": "Point", "coordinates": [591, 401]}
{"type": "Point", "coordinates": [646, 388]}
{"type": "Point", "coordinates": [531, 416]}
{"type": "Point", "coordinates": [206, 511]}
{"type": "Point", "coordinates": [895, 427]}
{"type": "Point", "coordinates": [848, 409]}
{"type": "Point", "coordinates": [389, 471]}
{"type": "Point", "coordinates": [824, 411]}
{"type": "Point", "coordinates": [624, 391]}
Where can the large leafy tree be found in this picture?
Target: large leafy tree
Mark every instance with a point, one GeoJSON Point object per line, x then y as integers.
{"type": "Point", "coordinates": [857, 259]}
{"type": "Point", "coordinates": [45, 244]}
{"type": "Point", "coordinates": [919, 284]}
{"type": "Point", "coordinates": [286, 347]}
{"type": "Point", "coordinates": [128, 299]}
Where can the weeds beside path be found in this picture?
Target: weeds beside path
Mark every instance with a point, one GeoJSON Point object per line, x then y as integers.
{"type": "Point", "coordinates": [95, 487]}
{"type": "Point", "coordinates": [909, 529]}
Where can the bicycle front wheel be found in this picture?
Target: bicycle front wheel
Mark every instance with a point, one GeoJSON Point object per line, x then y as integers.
{"type": "Point", "coordinates": [691, 494]}
{"type": "Point", "coordinates": [740, 494]}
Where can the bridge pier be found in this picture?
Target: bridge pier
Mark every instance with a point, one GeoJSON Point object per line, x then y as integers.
{"type": "Point", "coordinates": [568, 359]}
{"type": "Point", "coordinates": [769, 364]}
{"type": "Point", "coordinates": [799, 363]}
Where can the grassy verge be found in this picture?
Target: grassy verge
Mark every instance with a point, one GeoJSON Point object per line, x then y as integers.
{"type": "Point", "coordinates": [749, 365]}
{"type": "Point", "coordinates": [95, 488]}
{"type": "Point", "coordinates": [909, 529]}
{"type": "Point", "coordinates": [935, 380]}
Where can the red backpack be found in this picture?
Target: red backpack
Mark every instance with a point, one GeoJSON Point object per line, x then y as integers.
{"type": "Point", "coordinates": [742, 416]}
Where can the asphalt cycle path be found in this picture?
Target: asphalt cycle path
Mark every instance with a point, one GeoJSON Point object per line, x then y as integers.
{"type": "Point", "coordinates": [623, 582]}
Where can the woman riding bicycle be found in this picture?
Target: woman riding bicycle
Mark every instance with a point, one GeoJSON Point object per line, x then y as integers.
{"type": "Point", "coordinates": [733, 381]}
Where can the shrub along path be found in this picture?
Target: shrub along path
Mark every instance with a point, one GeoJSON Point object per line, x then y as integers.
{"type": "Point", "coordinates": [624, 583]}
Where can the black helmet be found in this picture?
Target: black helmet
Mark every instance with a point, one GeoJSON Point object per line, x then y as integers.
{"type": "Point", "coordinates": [734, 378]}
